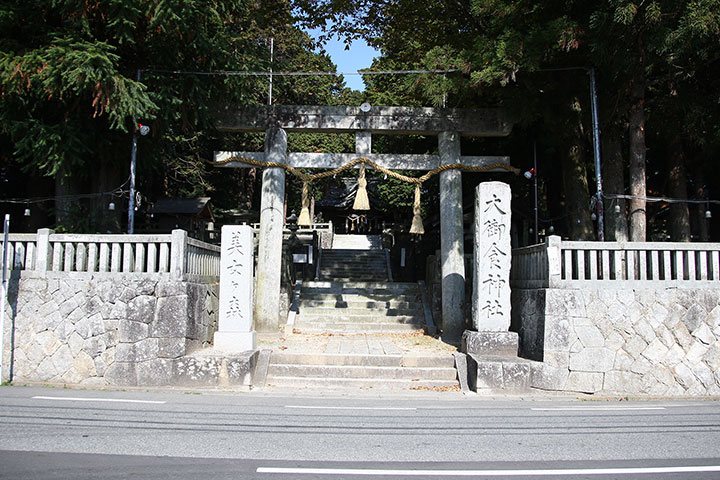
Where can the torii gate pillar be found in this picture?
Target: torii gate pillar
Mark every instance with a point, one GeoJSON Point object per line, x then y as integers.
{"type": "Point", "coordinates": [451, 239]}
{"type": "Point", "coordinates": [272, 221]}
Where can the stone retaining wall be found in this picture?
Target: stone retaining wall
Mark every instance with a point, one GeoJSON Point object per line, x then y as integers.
{"type": "Point", "coordinates": [105, 329]}
{"type": "Point", "coordinates": [621, 340]}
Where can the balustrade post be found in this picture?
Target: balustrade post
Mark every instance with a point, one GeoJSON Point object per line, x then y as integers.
{"type": "Point", "coordinates": [178, 252]}
{"type": "Point", "coordinates": [553, 246]}
{"type": "Point", "coordinates": [43, 251]}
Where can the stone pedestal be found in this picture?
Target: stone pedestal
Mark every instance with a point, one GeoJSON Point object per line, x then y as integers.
{"type": "Point", "coordinates": [491, 258]}
{"type": "Point", "coordinates": [272, 222]}
{"type": "Point", "coordinates": [235, 325]}
{"type": "Point", "coordinates": [495, 344]}
{"type": "Point", "coordinates": [452, 265]}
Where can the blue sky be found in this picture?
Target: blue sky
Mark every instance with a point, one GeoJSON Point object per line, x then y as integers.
{"type": "Point", "coordinates": [359, 56]}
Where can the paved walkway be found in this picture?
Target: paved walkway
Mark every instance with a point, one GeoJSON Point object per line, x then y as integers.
{"type": "Point", "coordinates": [360, 344]}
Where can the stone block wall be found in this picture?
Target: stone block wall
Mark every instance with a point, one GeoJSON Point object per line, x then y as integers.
{"type": "Point", "coordinates": [621, 340]}
{"type": "Point", "coordinates": [105, 329]}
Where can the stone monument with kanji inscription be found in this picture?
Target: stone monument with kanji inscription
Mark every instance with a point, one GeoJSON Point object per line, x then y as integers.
{"type": "Point", "coordinates": [235, 325]}
{"type": "Point", "coordinates": [491, 257]}
{"type": "Point", "coordinates": [490, 335]}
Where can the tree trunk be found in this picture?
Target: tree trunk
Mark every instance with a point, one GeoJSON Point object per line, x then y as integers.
{"type": "Point", "coordinates": [64, 186]}
{"type": "Point", "coordinates": [679, 212]}
{"type": "Point", "coordinates": [110, 175]}
{"type": "Point", "coordinates": [616, 227]}
{"type": "Point", "coordinates": [574, 173]}
{"type": "Point", "coordinates": [702, 222]}
{"type": "Point", "coordinates": [638, 213]}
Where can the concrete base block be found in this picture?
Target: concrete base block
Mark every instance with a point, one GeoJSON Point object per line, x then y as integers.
{"type": "Point", "coordinates": [490, 343]}
{"type": "Point", "coordinates": [210, 369]}
{"type": "Point", "coordinates": [235, 342]}
{"type": "Point", "coordinates": [495, 373]}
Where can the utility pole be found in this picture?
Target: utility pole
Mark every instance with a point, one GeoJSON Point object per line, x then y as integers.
{"type": "Point", "coordinates": [3, 291]}
{"type": "Point", "coordinates": [133, 157]}
{"type": "Point", "coordinates": [272, 51]}
{"type": "Point", "coordinates": [596, 145]}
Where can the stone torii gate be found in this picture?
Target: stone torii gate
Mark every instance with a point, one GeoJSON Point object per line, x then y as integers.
{"type": "Point", "coordinates": [448, 124]}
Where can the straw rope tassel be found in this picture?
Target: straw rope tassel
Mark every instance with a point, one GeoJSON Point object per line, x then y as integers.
{"type": "Point", "coordinates": [304, 219]}
{"type": "Point", "coordinates": [361, 197]}
{"type": "Point", "coordinates": [417, 222]}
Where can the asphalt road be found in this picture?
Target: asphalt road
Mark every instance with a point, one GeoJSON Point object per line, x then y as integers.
{"type": "Point", "coordinates": [79, 434]}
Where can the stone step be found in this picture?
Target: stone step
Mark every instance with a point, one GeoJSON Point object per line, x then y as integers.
{"type": "Point", "coordinates": [349, 276]}
{"type": "Point", "coordinates": [353, 302]}
{"type": "Point", "coordinates": [350, 271]}
{"type": "Point", "coordinates": [360, 371]}
{"type": "Point", "coordinates": [356, 277]}
{"type": "Point", "coordinates": [353, 266]}
{"type": "Point", "coordinates": [370, 317]}
{"type": "Point", "coordinates": [369, 268]}
{"type": "Point", "coordinates": [371, 294]}
{"type": "Point", "coordinates": [357, 255]}
{"type": "Point", "coordinates": [393, 286]}
{"type": "Point", "coordinates": [357, 328]}
{"type": "Point", "coordinates": [359, 294]}
{"type": "Point", "coordinates": [354, 255]}
{"type": "Point", "coordinates": [386, 289]}
{"type": "Point", "coordinates": [362, 383]}
{"type": "Point", "coordinates": [358, 252]}
{"type": "Point", "coordinates": [349, 253]}
{"type": "Point", "coordinates": [352, 241]}
{"type": "Point", "coordinates": [376, 312]}
{"type": "Point", "coordinates": [427, 361]}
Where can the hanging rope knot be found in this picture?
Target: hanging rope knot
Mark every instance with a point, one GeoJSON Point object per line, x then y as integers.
{"type": "Point", "coordinates": [361, 197]}
{"type": "Point", "coordinates": [304, 219]}
{"type": "Point", "coordinates": [417, 221]}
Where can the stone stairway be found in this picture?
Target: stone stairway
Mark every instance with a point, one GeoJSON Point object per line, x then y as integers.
{"type": "Point", "coordinates": [353, 265]}
{"type": "Point", "coordinates": [353, 308]}
{"type": "Point", "coordinates": [357, 242]}
{"type": "Point", "coordinates": [367, 371]}
{"type": "Point", "coordinates": [345, 307]}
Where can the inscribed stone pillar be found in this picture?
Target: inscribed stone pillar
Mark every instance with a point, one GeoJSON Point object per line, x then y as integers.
{"type": "Point", "coordinates": [451, 239]}
{"type": "Point", "coordinates": [363, 143]}
{"type": "Point", "coordinates": [267, 297]}
{"type": "Point", "coordinates": [235, 326]}
{"type": "Point", "coordinates": [491, 258]}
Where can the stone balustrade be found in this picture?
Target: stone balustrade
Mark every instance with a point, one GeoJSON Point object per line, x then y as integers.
{"type": "Point", "coordinates": [564, 264]}
{"type": "Point", "coordinates": [175, 254]}
{"type": "Point", "coordinates": [21, 251]}
{"type": "Point", "coordinates": [636, 318]}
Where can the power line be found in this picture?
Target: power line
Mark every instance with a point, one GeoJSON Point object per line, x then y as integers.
{"type": "Point", "coordinates": [613, 196]}
{"type": "Point", "coordinates": [234, 73]}
{"type": "Point", "coordinates": [117, 192]}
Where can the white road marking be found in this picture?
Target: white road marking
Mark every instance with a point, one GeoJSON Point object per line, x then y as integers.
{"type": "Point", "coordinates": [314, 407]}
{"type": "Point", "coordinates": [88, 399]}
{"type": "Point", "coordinates": [594, 409]}
{"type": "Point", "coordinates": [492, 473]}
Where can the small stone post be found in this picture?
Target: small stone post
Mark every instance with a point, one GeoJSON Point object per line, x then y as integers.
{"type": "Point", "coordinates": [492, 258]}
{"type": "Point", "coordinates": [272, 222]}
{"type": "Point", "coordinates": [451, 239]}
{"type": "Point", "coordinates": [553, 247]}
{"type": "Point", "coordinates": [235, 326]}
{"type": "Point", "coordinates": [178, 254]}
{"type": "Point", "coordinates": [43, 250]}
